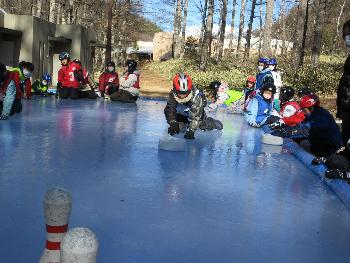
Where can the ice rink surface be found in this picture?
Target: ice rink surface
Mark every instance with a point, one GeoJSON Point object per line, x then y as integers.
{"type": "Point", "coordinates": [227, 198]}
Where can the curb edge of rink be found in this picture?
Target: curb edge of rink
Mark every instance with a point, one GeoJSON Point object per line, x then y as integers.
{"type": "Point", "coordinates": [340, 187]}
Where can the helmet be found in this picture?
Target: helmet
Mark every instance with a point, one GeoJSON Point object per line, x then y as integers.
{"type": "Point", "coordinates": [110, 64]}
{"type": "Point", "coordinates": [309, 101]}
{"type": "Point", "coordinates": [182, 83]}
{"type": "Point", "coordinates": [287, 93]}
{"type": "Point", "coordinates": [77, 61]}
{"type": "Point", "coordinates": [64, 55]}
{"type": "Point", "coordinates": [268, 87]}
{"type": "Point", "coordinates": [305, 91]}
{"type": "Point", "coordinates": [268, 79]}
{"type": "Point", "coordinates": [215, 85]}
{"type": "Point", "coordinates": [251, 79]}
{"type": "Point", "coordinates": [272, 61]}
{"type": "Point", "coordinates": [263, 60]}
{"type": "Point", "coordinates": [46, 77]}
{"type": "Point", "coordinates": [131, 64]}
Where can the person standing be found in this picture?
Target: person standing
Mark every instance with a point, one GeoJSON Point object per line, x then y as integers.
{"type": "Point", "coordinates": [343, 92]}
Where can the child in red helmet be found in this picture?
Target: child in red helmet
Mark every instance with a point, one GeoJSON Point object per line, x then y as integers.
{"type": "Point", "coordinates": [324, 135]}
{"type": "Point", "coordinates": [186, 104]}
{"type": "Point", "coordinates": [109, 80]}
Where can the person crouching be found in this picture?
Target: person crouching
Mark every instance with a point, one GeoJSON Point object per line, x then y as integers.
{"type": "Point", "coordinates": [186, 104]}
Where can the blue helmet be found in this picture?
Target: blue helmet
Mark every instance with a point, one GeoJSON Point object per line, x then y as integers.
{"type": "Point", "coordinates": [263, 60]}
{"type": "Point", "coordinates": [46, 77]}
{"type": "Point", "coordinates": [272, 61]}
{"type": "Point", "coordinates": [64, 55]}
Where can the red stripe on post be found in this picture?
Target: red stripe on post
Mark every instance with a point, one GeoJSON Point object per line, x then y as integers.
{"type": "Point", "coordinates": [53, 245]}
{"type": "Point", "coordinates": [56, 229]}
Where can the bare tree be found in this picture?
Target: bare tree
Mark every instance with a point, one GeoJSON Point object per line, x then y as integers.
{"type": "Point", "coordinates": [267, 28]}
{"type": "Point", "coordinates": [241, 26]}
{"type": "Point", "coordinates": [250, 27]}
{"type": "Point", "coordinates": [283, 26]}
{"type": "Point", "coordinates": [207, 36]}
{"type": "Point", "coordinates": [260, 25]}
{"type": "Point", "coordinates": [177, 29]}
{"type": "Point", "coordinates": [318, 30]}
{"type": "Point", "coordinates": [108, 55]}
{"type": "Point", "coordinates": [303, 42]}
{"type": "Point", "coordinates": [223, 14]}
{"type": "Point", "coordinates": [233, 15]}
{"type": "Point", "coordinates": [338, 27]}
{"type": "Point", "coordinates": [299, 30]}
{"type": "Point", "coordinates": [184, 23]}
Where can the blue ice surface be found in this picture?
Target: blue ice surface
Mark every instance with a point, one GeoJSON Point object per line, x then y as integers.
{"type": "Point", "coordinates": [225, 199]}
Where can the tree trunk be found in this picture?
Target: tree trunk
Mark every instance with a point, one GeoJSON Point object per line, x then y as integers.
{"type": "Point", "coordinates": [303, 42]}
{"type": "Point", "coordinates": [260, 25]}
{"type": "Point", "coordinates": [283, 26]}
{"type": "Point", "coordinates": [338, 27]}
{"type": "Point", "coordinates": [319, 23]}
{"type": "Point", "coordinates": [267, 28]}
{"type": "Point", "coordinates": [298, 36]}
{"type": "Point", "coordinates": [204, 17]}
{"type": "Point", "coordinates": [223, 14]}
{"type": "Point", "coordinates": [207, 35]}
{"type": "Point", "coordinates": [52, 11]}
{"type": "Point", "coordinates": [232, 32]}
{"type": "Point", "coordinates": [39, 8]}
{"type": "Point", "coordinates": [241, 26]}
{"type": "Point", "coordinates": [108, 55]}
{"type": "Point", "coordinates": [177, 29]}
{"type": "Point", "coordinates": [250, 27]}
{"type": "Point", "coordinates": [184, 23]}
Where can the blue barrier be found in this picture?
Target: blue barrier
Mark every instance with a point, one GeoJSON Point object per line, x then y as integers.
{"type": "Point", "coordinates": [340, 187]}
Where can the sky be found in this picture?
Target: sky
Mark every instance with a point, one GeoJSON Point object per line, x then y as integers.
{"type": "Point", "coordinates": [162, 15]}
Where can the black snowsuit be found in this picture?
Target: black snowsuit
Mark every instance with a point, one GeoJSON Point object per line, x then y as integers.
{"type": "Point", "coordinates": [343, 100]}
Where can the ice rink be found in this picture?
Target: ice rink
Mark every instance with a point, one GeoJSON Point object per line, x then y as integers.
{"type": "Point", "coordinates": [226, 198]}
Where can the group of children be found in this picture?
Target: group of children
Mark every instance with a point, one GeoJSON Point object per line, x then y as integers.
{"type": "Point", "coordinates": [73, 82]}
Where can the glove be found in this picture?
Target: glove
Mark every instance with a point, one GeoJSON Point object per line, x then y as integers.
{"type": "Point", "coordinates": [189, 135]}
{"type": "Point", "coordinates": [318, 160]}
{"type": "Point", "coordinates": [276, 125]}
{"type": "Point", "coordinates": [4, 117]}
{"type": "Point", "coordinates": [174, 128]}
{"type": "Point", "coordinates": [255, 125]}
{"type": "Point", "coordinates": [337, 174]}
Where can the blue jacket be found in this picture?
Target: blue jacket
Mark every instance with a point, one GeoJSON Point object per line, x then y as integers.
{"type": "Point", "coordinates": [258, 110]}
{"type": "Point", "coordinates": [324, 130]}
{"type": "Point", "coordinates": [260, 78]}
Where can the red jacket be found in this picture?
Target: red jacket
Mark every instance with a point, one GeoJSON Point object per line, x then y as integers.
{"type": "Point", "coordinates": [107, 79]}
{"type": "Point", "coordinates": [62, 73]}
{"type": "Point", "coordinates": [67, 75]}
{"type": "Point", "coordinates": [291, 113]}
{"type": "Point", "coordinates": [28, 88]}
{"type": "Point", "coordinates": [12, 75]}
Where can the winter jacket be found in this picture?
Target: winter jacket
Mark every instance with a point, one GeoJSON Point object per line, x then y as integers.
{"type": "Point", "coordinates": [193, 106]}
{"type": "Point", "coordinates": [38, 87]}
{"type": "Point", "coordinates": [291, 113]}
{"type": "Point", "coordinates": [131, 83]}
{"type": "Point", "coordinates": [25, 84]}
{"type": "Point", "coordinates": [68, 75]}
{"type": "Point", "coordinates": [225, 96]}
{"type": "Point", "coordinates": [260, 78]}
{"type": "Point", "coordinates": [108, 79]}
{"type": "Point", "coordinates": [324, 131]}
{"type": "Point", "coordinates": [343, 92]}
{"type": "Point", "coordinates": [258, 110]}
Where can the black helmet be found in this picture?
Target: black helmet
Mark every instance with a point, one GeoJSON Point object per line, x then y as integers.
{"type": "Point", "coordinates": [287, 93]}
{"type": "Point", "coordinates": [131, 64]}
{"type": "Point", "coordinates": [305, 91]}
{"type": "Point", "coordinates": [64, 55]}
{"type": "Point", "coordinates": [77, 61]}
{"type": "Point", "coordinates": [110, 64]}
{"type": "Point", "coordinates": [268, 87]}
{"type": "Point", "coordinates": [268, 79]}
{"type": "Point", "coordinates": [214, 85]}
{"type": "Point", "coordinates": [3, 72]}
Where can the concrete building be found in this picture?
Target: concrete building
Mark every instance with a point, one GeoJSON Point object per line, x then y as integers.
{"type": "Point", "coordinates": [38, 41]}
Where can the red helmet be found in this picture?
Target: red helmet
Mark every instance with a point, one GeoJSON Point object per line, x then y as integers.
{"type": "Point", "coordinates": [251, 79]}
{"type": "Point", "coordinates": [182, 83]}
{"type": "Point", "coordinates": [309, 101]}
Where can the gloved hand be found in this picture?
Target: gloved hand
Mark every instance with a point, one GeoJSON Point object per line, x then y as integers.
{"type": "Point", "coordinates": [4, 117]}
{"type": "Point", "coordinates": [276, 125]}
{"type": "Point", "coordinates": [318, 160]}
{"type": "Point", "coordinates": [174, 128]}
{"type": "Point", "coordinates": [189, 135]}
{"type": "Point", "coordinates": [255, 125]}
